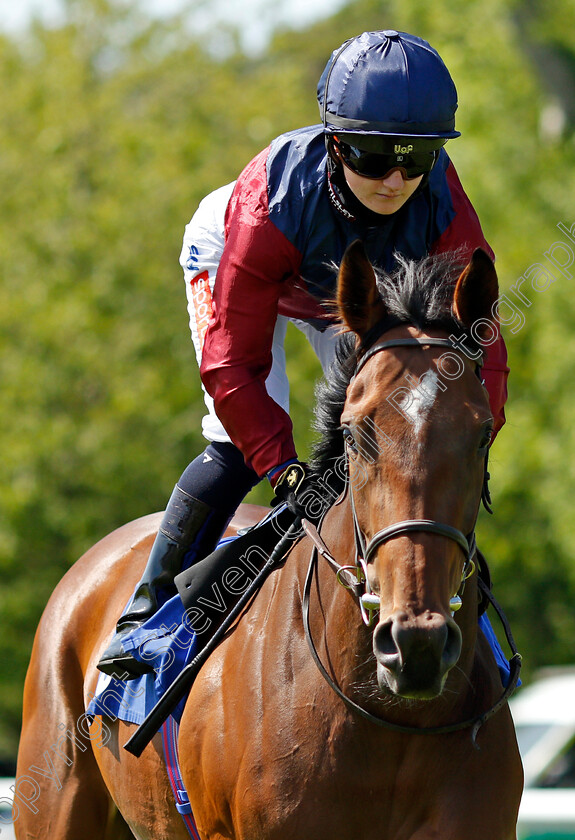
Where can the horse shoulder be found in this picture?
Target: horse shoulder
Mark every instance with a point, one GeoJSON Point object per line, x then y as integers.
{"type": "Point", "coordinates": [492, 767]}
{"type": "Point", "coordinates": [239, 734]}
{"type": "Point", "coordinates": [497, 738]}
{"type": "Point", "coordinates": [238, 692]}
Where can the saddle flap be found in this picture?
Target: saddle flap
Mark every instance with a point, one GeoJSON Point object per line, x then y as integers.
{"type": "Point", "coordinates": [217, 582]}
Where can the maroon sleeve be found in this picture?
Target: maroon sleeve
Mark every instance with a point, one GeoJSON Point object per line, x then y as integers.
{"type": "Point", "coordinates": [465, 232]}
{"type": "Point", "coordinates": [495, 373]}
{"type": "Point", "coordinates": [256, 262]}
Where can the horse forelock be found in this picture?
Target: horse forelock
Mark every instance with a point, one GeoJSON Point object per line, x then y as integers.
{"type": "Point", "coordinates": [419, 293]}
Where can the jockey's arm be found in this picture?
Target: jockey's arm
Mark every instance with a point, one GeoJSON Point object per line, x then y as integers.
{"type": "Point", "coordinates": [256, 263]}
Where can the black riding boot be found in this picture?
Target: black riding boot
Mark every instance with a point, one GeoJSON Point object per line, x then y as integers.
{"type": "Point", "coordinates": [187, 524]}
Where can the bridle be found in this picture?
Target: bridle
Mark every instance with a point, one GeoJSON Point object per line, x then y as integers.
{"type": "Point", "coordinates": [355, 577]}
{"type": "Point", "coordinates": [366, 551]}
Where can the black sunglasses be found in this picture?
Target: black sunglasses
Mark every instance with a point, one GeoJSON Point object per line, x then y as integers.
{"type": "Point", "coordinates": [372, 165]}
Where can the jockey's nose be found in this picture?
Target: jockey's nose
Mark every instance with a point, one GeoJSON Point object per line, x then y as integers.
{"type": "Point", "coordinates": [393, 180]}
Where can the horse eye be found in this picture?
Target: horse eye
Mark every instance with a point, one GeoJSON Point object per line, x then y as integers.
{"type": "Point", "coordinates": [349, 439]}
{"type": "Point", "coordinates": [486, 438]}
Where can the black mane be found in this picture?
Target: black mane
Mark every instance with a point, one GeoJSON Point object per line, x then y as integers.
{"type": "Point", "coordinates": [419, 292]}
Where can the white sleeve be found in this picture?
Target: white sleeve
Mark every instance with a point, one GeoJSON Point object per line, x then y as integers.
{"type": "Point", "coordinates": [200, 257]}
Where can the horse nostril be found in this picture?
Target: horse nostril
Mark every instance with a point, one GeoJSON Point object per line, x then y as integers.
{"type": "Point", "coordinates": [384, 644]}
{"type": "Point", "coordinates": [420, 650]}
{"type": "Point", "coordinates": [452, 648]}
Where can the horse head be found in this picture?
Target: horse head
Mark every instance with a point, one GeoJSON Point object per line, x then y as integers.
{"type": "Point", "coordinates": [417, 427]}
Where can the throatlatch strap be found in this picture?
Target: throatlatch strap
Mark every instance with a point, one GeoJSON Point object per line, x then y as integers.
{"type": "Point", "coordinates": [170, 730]}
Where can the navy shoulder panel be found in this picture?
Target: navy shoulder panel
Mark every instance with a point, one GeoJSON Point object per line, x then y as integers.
{"type": "Point", "coordinates": [441, 203]}
{"type": "Point", "coordinates": [300, 207]}
{"type": "Point", "coordinates": [296, 175]}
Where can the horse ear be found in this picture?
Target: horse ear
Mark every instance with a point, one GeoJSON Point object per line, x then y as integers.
{"type": "Point", "coordinates": [476, 291]}
{"type": "Point", "coordinates": [358, 302]}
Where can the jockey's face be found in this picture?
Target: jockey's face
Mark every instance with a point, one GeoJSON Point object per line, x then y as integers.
{"type": "Point", "coordinates": [383, 195]}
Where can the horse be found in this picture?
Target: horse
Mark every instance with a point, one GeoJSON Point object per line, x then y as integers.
{"type": "Point", "coordinates": [329, 711]}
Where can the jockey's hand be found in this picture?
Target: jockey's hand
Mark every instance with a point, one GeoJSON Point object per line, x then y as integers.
{"type": "Point", "coordinates": [294, 485]}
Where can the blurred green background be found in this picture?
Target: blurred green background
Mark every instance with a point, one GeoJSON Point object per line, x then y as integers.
{"type": "Point", "coordinates": [113, 126]}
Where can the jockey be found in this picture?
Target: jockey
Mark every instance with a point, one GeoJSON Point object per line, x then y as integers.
{"type": "Point", "coordinates": [260, 252]}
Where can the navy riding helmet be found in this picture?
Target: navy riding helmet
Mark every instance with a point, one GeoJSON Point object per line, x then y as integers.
{"type": "Point", "coordinates": [383, 86]}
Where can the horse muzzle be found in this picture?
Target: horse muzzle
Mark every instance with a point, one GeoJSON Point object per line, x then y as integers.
{"type": "Point", "coordinates": [415, 653]}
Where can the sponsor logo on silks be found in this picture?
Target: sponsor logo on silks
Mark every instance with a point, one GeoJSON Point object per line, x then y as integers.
{"type": "Point", "coordinates": [192, 261]}
{"type": "Point", "coordinates": [402, 150]}
{"type": "Point", "coordinates": [203, 303]}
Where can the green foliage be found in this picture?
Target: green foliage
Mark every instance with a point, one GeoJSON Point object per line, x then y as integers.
{"type": "Point", "coordinates": [113, 127]}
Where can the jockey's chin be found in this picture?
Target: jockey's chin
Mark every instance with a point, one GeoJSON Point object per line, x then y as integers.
{"type": "Point", "coordinates": [382, 195]}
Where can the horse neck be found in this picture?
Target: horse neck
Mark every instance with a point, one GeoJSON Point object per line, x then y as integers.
{"type": "Point", "coordinates": [338, 631]}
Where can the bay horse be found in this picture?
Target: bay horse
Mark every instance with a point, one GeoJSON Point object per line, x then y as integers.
{"type": "Point", "coordinates": [371, 740]}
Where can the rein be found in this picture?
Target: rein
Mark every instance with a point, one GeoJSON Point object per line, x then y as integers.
{"type": "Point", "coordinates": [475, 722]}
{"type": "Point", "coordinates": [369, 601]}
